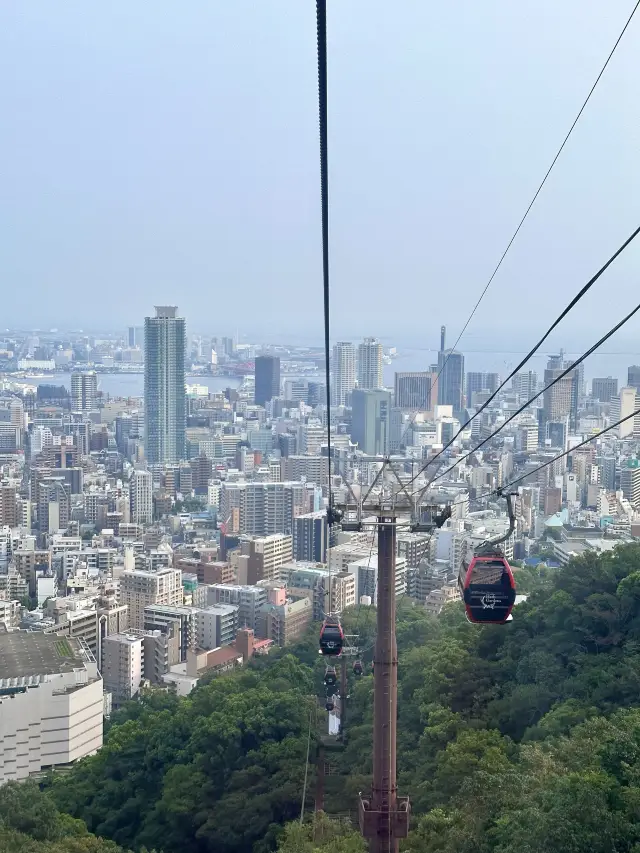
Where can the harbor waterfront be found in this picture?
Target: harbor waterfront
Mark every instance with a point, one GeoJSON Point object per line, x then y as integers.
{"type": "Point", "coordinates": [122, 384]}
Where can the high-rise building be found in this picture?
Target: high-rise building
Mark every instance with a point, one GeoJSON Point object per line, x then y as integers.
{"type": "Point", "coordinates": [370, 365]}
{"type": "Point", "coordinates": [560, 400]}
{"type": "Point", "coordinates": [525, 384]}
{"type": "Point", "coordinates": [633, 377]}
{"type": "Point", "coordinates": [604, 389]}
{"type": "Point", "coordinates": [84, 391]}
{"type": "Point", "coordinates": [216, 625]}
{"type": "Point", "coordinates": [310, 537]}
{"type": "Point", "coordinates": [344, 373]}
{"type": "Point", "coordinates": [481, 382]}
{"type": "Point", "coordinates": [262, 509]}
{"type": "Point", "coordinates": [630, 481]}
{"type": "Point", "coordinates": [450, 376]}
{"type": "Point", "coordinates": [228, 346]}
{"type": "Point", "coordinates": [622, 407]}
{"type": "Point", "coordinates": [139, 589]}
{"type": "Point", "coordinates": [266, 554]}
{"type": "Point", "coordinates": [141, 496]}
{"type": "Point", "coordinates": [164, 386]}
{"type": "Point", "coordinates": [123, 666]}
{"type": "Point", "coordinates": [8, 506]}
{"type": "Point", "coordinates": [135, 337]}
{"type": "Point", "coordinates": [451, 381]}
{"type": "Point", "coordinates": [267, 379]}
{"type": "Point", "coordinates": [416, 391]}
{"type": "Point", "coordinates": [371, 421]}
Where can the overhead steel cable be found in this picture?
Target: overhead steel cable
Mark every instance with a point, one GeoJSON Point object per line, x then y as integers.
{"type": "Point", "coordinates": [546, 464]}
{"type": "Point", "coordinates": [520, 410]}
{"type": "Point", "coordinates": [321, 21]}
{"type": "Point", "coordinates": [321, 18]}
{"type": "Point", "coordinates": [533, 351]}
{"type": "Point", "coordinates": [536, 194]}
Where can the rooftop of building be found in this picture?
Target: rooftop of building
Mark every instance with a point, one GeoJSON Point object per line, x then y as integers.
{"type": "Point", "coordinates": [178, 609]}
{"type": "Point", "coordinates": [125, 639]}
{"type": "Point", "coordinates": [30, 653]}
{"type": "Point", "coordinates": [222, 609]}
{"type": "Point", "coordinates": [150, 573]}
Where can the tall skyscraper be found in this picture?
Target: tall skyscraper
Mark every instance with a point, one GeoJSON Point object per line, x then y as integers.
{"type": "Point", "coordinates": [84, 391]}
{"type": "Point", "coordinates": [525, 384]}
{"type": "Point", "coordinates": [605, 388]}
{"type": "Point", "coordinates": [633, 377]}
{"type": "Point", "coordinates": [451, 381]}
{"type": "Point", "coordinates": [481, 382]}
{"type": "Point", "coordinates": [561, 400]}
{"type": "Point", "coordinates": [371, 421]}
{"type": "Point", "coordinates": [451, 376]}
{"type": "Point", "coordinates": [135, 336]}
{"type": "Point", "coordinates": [164, 386]}
{"type": "Point", "coordinates": [141, 497]}
{"type": "Point", "coordinates": [267, 379]}
{"type": "Point", "coordinates": [415, 391]}
{"type": "Point", "coordinates": [344, 372]}
{"type": "Point", "coordinates": [370, 365]}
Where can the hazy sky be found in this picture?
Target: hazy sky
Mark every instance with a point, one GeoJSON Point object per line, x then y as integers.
{"type": "Point", "coordinates": [167, 152]}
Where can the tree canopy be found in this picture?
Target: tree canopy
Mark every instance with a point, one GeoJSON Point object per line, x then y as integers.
{"type": "Point", "coordinates": [524, 737]}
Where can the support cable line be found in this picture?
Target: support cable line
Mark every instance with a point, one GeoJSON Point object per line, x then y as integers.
{"type": "Point", "coordinates": [562, 455]}
{"type": "Point", "coordinates": [321, 18]}
{"type": "Point", "coordinates": [533, 351]}
{"type": "Point", "coordinates": [524, 406]}
{"type": "Point", "coordinates": [306, 770]}
{"type": "Point", "coordinates": [537, 192]}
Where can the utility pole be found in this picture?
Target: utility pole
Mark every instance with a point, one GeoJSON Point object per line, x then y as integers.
{"type": "Point", "coordinates": [384, 816]}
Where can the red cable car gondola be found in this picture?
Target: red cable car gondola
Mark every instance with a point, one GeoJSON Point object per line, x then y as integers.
{"type": "Point", "coordinates": [330, 677]}
{"type": "Point", "coordinates": [489, 591]}
{"type": "Point", "coordinates": [487, 584]}
{"type": "Point", "coordinates": [331, 637]}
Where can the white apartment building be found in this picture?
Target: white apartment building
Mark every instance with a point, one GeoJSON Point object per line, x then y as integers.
{"type": "Point", "coordinates": [365, 572]}
{"type": "Point", "coordinates": [343, 369]}
{"type": "Point", "coordinates": [51, 703]}
{"type": "Point", "coordinates": [260, 509]}
{"type": "Point", "coordinates": [213, 493]}
{"type": "Point", "coordinates": [216, 626]}
{"type": "Point", "coordinates": [139, 589]}
{"type": "Point", "coordinates": [141, 496]}
{"type": "Point", "coordinates": [370, 365]}
{"type": "Point", "coordinates": [248, 600]}
{"type": "Point", "coordinates": [123, 666]}
{"type": "Point", "coordinates": [84, 391]}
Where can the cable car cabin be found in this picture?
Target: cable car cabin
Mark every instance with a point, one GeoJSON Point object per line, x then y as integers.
{"type": "Point", "coordinates": [488, 589]}
{"type": "Point", "coordinates": [331, 637]}
{"type": "Point", "coordinates": [358, 669]}
{"type": "Point", "coordinates": [330, 677]}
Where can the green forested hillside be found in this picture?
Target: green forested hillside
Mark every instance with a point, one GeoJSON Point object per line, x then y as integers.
{"type": "Point", "coordinates": [518, 738]}
{"type": "Point", "coordinates": [30, 823]}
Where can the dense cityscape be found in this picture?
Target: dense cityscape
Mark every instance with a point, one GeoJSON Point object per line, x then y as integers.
{"type": "Point", "coordinates": [176, 536]}
{"type": "Point", "coordinates": [319, 428]}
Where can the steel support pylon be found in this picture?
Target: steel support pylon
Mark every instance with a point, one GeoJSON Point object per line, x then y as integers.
{"type": "Point", "coordinates": [384, 817]}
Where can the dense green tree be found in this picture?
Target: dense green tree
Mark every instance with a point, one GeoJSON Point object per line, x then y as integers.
{"type": "Point", "coordinates": [523, 737]}
{"type": "Point", "coordinates": [321, 835]}
{"type": "Point", "coordinates": [31, 823]}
